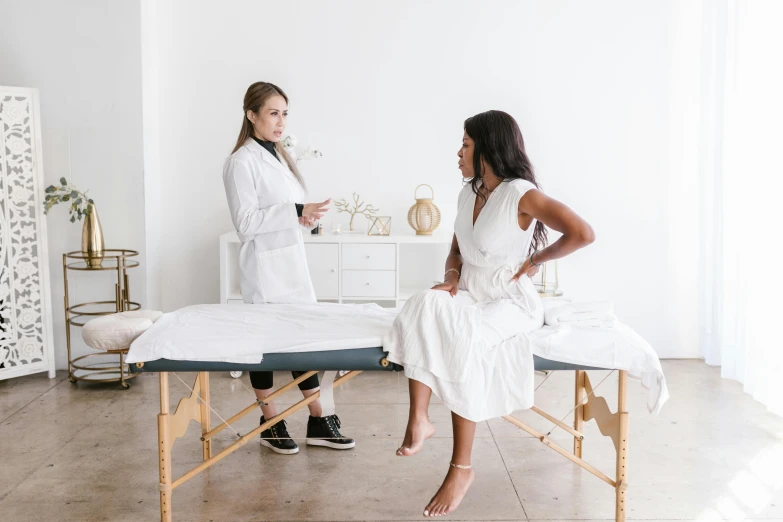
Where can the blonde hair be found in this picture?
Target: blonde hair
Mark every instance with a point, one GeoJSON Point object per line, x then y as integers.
{"type": "Point", "coordinates": [255, 98]}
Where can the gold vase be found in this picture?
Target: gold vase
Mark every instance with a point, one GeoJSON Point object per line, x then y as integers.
{"type": "Point", "coordinates": [92, 239]}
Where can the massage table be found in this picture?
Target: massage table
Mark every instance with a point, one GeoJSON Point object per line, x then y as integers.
{"type": "Point", "coordinates": [196, 407]}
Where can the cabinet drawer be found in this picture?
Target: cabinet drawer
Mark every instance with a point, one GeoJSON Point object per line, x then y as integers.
{"type": "Point", "coordinates": [369, 257]}
{"type": "Point", "coordinates": [369, 283]}
{"type": "Point", "coordinates": [322, 261]}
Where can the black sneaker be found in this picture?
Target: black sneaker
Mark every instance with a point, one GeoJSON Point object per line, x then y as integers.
{"type": "Point", "coordinates": [277, 439]}
{"type": "Point", "coordinates": [325, 431]}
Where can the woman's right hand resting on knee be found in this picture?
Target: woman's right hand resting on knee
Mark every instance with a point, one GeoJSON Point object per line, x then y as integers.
{"type": "Point", "coordinates": [453, 268]}
{"type": "Point", "coordinates": [449, 285]}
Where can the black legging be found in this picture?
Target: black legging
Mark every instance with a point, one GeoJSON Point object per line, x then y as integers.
{"type": "Point", "coordinates": [264, 380]}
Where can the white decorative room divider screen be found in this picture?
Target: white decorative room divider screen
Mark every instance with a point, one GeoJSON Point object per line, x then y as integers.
{"type": "Point", "coordinates": [25, 303]}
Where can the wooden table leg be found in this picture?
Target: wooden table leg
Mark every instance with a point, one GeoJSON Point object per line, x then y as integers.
{"type": "Point", "coordinates": [205, 412]}
{"type": "Point", "coordinates": [164, 450]}
{"type": "Point", "coordinates": [579, 412]}
{"type": "Point", "coordinates": [622, 447]}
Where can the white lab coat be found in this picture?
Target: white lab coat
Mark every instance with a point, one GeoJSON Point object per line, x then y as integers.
{"type": "Point", "coordinates": [261, 194]}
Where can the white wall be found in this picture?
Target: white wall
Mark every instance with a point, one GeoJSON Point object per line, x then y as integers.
{"type": "Point", "coordinates": [84, 56]}
{"type": "Point", "coordinates": [383, 88]}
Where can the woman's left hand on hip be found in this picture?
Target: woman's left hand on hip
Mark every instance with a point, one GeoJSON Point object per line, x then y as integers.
{"type": "Point", "coordinates": [527, 269]}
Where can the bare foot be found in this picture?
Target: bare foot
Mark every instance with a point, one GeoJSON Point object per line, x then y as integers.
{"type": "Point", "coordinates": [451, 492]}
{"type": "Point", "coordinates": [416, 433]}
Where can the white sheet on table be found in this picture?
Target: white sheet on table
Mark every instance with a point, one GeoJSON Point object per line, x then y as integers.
{"type": "Point", "coordinates": [618, 347]}
{"type": "Point", "coordinates": [556, 312]}
{"type": "Point", "coordinates": [600, 345]}
{"type": "Point", "coordinates": [244, 333]}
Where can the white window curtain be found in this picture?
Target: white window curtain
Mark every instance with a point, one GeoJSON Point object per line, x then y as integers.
{"type": "Point", "coordinates": [741, 203]}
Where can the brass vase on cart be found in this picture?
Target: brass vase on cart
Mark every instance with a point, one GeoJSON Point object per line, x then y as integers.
{"type": "Point", "coordinates": [92, 238]}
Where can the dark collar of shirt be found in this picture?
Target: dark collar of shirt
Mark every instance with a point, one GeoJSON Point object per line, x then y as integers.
{"type": "Point", "coordinates": [268, 145]}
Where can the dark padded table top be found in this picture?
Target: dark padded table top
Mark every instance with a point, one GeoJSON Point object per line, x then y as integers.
{"type": "Point", "coordinates": [365, 359]}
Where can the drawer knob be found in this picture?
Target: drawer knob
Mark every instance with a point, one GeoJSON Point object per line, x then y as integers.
{"type": "Point", "coordinates": [368, 257]}
{"type": "Point", "coordinates": [332, 270]}
{"type": "Point", "coordinates": [368, 283]}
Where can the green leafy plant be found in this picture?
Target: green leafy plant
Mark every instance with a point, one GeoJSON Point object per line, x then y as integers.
{"type": "Point", "coordinates": [80, 204]}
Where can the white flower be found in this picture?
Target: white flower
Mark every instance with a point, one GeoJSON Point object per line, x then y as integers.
{"type": "Point", "coordinates": [23, 302]}
{"type": "Point", "coordinates": [310, 153]}
{"type": "Point", "coordinates": [16, 145]}
{"type": "Point", "coordinates": [35, 296]}
{"type": "Point", "coordinates": [20, 195]}
{"type": "Point", "coordinates": [27, 316]}
{"type": "Point", "coordinates": [28, 231]}
{"type": "Point", "coordinates": [29, 346]}
{"type": "Point", "coordinates": [22, 174]}
{"type": "Point", "coordinates": [290, 142]}
{"type": "Point", "coordinates": [5, 291]}
{"type": "Point", "coordinates": [13, 111]}
{"type": "Point", "coordinates": [25, 268]}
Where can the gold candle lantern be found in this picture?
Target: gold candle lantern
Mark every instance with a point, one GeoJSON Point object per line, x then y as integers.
{"type": "Point", "coordinates": [424, 216]}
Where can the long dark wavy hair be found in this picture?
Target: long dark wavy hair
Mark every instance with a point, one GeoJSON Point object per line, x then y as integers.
{"type": "Point", "coordinates": [498, 141]}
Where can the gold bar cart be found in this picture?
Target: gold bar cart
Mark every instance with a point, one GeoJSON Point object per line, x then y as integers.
{"type": "Point", "coordinates": [78, 314]}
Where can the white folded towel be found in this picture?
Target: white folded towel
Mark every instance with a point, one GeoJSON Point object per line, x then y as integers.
{"type": "Point", "coordinates": [607, 322]}
{"type": "Point", "coordinates": [601, 311]}
{"type": "Point", "coordinates": [554, 302]}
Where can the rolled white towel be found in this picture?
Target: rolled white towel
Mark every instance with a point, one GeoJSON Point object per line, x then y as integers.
{"type": "Point", "coordinates": [594, 310]}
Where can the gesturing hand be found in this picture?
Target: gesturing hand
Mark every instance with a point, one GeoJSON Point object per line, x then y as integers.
{"type": "Point", "coordinates": [308, 222]}
{"type": "Point", "coordinates": [316, 210]}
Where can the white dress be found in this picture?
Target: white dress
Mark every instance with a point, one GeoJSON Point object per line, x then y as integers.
{"type": "Point", "coordinates": [470, 349]}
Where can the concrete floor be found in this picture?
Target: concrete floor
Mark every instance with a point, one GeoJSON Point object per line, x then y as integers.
{"type": "Point", "coordinates": [88, 453]}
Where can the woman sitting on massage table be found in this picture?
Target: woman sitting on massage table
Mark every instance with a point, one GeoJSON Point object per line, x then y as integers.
{"type": "Point", "coordinates": [455, 339]}
{"type": "Point", "coordinates": [264, 190]}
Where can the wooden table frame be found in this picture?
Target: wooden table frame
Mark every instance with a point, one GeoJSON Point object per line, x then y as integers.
{"type": "Point", "coordinates": [588, 406]}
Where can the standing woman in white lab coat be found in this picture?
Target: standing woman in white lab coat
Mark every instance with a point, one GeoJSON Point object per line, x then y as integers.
{"type": "Point", "coordinates": [265, 194]}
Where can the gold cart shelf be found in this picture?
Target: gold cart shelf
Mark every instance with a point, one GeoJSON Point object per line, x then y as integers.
{"type": "Point", "coordinates": [78, 314]}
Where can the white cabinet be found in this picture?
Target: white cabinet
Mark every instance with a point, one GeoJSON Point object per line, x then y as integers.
{"type": "Point", "coordinates": [357, 256]}
{"type": "Point", "coordinates": [361, 284]}
{"type": "Point", "coordinates": [355, 267]}
{"type": "Point", "coordinates": [323, 260]}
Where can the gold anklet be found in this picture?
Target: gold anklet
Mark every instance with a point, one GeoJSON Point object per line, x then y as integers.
{"type": "Point", "coordinates": [460, 466]}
